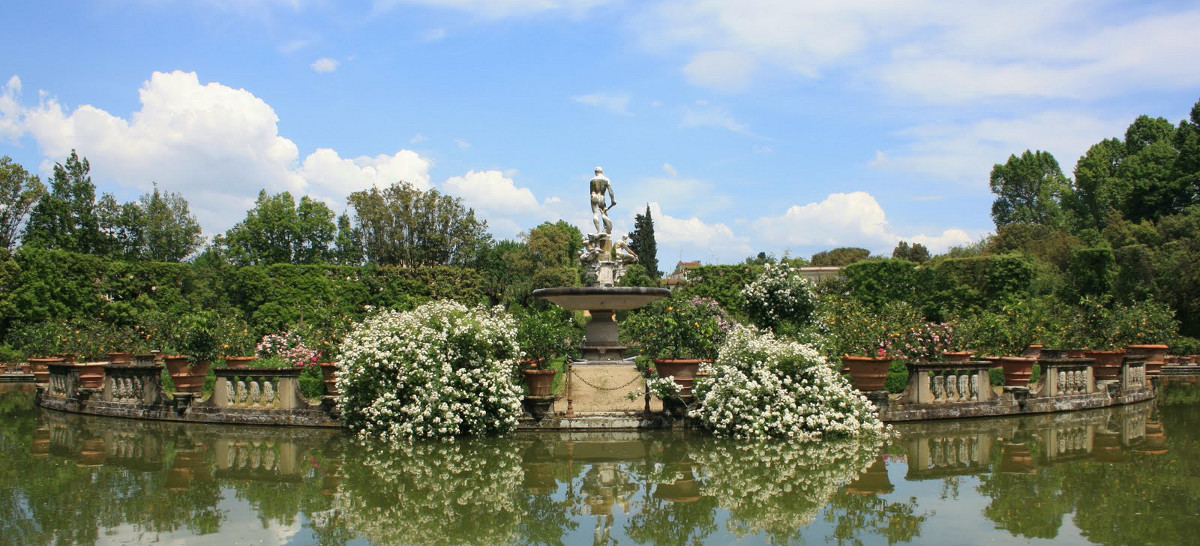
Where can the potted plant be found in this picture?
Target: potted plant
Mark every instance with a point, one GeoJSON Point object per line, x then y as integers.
{"type": "Point", "coordinates": [678, 335]}
{"type": "Point", "coordinates": [238, 345]}
{"type": "Point", "coordinates": [868, 339]}
{"type": "Point", "coordinates": [543, 335]}
{"type": "Point", "coordinates": [198, 343]}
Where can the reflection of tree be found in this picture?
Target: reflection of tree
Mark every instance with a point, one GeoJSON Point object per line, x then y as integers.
{"type": "Point", "coordinates": [544, 520]}
{"type": "Point", "coordinates": [462, 492]}
{"type": "Point", "coordinates": [778, 488]}
{"type": "Point", "coordinates": [672, 509]}
{"type": "Point", "coordinates": [1026, 502]}
{"type": "Point", "coordinates": [660, 520]}
{"type": "Point", "coordinates": [1149, 499]}
{"type": "Point", "coordinates": [855, 513]}
{"type": "Point", "coordinates": [859, 507]}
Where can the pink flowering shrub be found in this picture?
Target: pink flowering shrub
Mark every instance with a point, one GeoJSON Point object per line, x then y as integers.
{"type": "Point", "coordinates": [288, 346]}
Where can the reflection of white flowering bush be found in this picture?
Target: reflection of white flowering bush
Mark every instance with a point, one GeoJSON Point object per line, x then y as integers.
{"type": "Point", "coordinates": [464, 492]}
{"type": "Point", "coordinates": [440, 370]}
{"type": "Point", "coordinates": [779, 488]}
{"type": "Point", "coordinates": [779, 295]}
{"type": "Point", "coordinates": [762, 386]}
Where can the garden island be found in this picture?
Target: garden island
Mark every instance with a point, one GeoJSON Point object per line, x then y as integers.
{"type": "Point", "coordinates": [311, 363]}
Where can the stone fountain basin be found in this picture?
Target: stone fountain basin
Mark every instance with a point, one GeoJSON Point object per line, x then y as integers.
{"type": "Point", "coordinates": [613, 298]}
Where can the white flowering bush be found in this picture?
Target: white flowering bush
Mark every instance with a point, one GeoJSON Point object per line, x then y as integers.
{"type": "Point", "coordinates": [761, 386]}
{"type": "Point", "coordinates": [440, 370]}
{"type": "Point", "coordinates": [779, 296]}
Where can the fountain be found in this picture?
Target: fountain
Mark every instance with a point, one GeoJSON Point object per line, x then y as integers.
{"type": "Point", "coordinates": [601, 380]}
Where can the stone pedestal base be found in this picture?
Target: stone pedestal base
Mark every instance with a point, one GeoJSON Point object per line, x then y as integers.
{"type": "Point", "coordinates": [604, 387]}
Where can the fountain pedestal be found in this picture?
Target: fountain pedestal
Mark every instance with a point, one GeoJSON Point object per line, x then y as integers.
{"type": "Point", "coordinates": [601, 381]}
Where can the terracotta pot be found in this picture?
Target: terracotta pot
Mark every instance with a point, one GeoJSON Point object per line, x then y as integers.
{"type": "Point", "coordinates": [1033, 351]}
{"type": "Point", "coordinates": [120, 358]}
{"type": "Point", "coordinates": [91, 374]}
{"type": "Point", "coordinates": [683, 370]}
{"type": "Point", "coordinates": [679, 368]}
{"type": "Point", "coordinates": [1016, 459]}
{"type": "Point", "coordinates": [186, 378]}
{"type": "Point", "coordinates": [539, 381]}
{"type": "Point", "coordinates": [91, 452]}
{"type": "Point", "coordinates": [239, 361]}
{"type": "Point", "coordinates": [1107, 365]}
{"type": "Point", "coordinates": [329, 373]}
{"type": "Point", "coordinates": [1017, 370]}
{"type": "Point", "coordinates": [1154, 354]}
{"type": "Point", "coordinates": [873, 481]}
{"type": "Point", "coordinates": [40, 367]}
{"type": "Point", "coordinates": [957, 356]}
{"type": "Point", "coordinates": [682, 490]}
{"type": "Point", "coordinates": [867, 373]}
{"type": "Point", "coordinates": [1107, 448]}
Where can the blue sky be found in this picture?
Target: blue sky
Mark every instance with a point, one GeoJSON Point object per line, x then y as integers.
{"type": "Point", "coordinates": [757, 125]}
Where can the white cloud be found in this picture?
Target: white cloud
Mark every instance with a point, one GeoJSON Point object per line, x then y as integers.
{"type": "Point", "coordinates": [462, 144]}
{"type": "Point", "coordinates": [323, 65]}
{"type": "Point", "coordinates": [712, 116]}
{"type": "Point", "coordinates": [694, 239]}
{"type": "Point", "coordinates": [722, 70]}
{"type": "Point", "coordinates": [499, 8]}
{"type": "Point", "coordinates": [617, 104]}
{"type": "Point", "coordinates": [10, 110]}
{"type": "Point", "coordinates": [969, 50]}
{"type": "Point", "coordinates": [496, 198]}
{"type": "Point", "coordinates": [335, 176]}
{"type": "Point", "coordinates": [215, 145]}
{"type": "Point", "coordinates": [843, 219]}
{"type": "Point", "coordinates": [293, 46]}
{"type": "Point", "coordinates": [965, 152]}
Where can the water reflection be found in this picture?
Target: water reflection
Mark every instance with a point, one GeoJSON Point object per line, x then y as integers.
{"type": "Point", "coordinates": [1111, 476]}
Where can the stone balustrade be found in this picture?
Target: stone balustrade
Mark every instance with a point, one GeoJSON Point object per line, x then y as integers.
{"type": "Point", "coordinates": [133, 384]}
{"type": "Point", "coordinates": [948, 382]}
{"type": "Point", "coordinates": [257, 388]}
{"type": "Point", "coordinates": [1133, 375]}
{"type": "Point", "coordinates": [64, 381]}
{"type": "Point", "coordinates": [1066, 376]}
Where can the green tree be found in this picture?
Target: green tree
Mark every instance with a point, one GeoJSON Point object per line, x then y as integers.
{"type": "Point", "coordinates": [277, 231]}
{"type": "Point", "coordinates": [165, 227]}
{"type": "Point", "coordinates": [67, 217]}
{"type": "Point", "coordinates": [401, 225]}
{"type": "Point", "coordinates": [642, 242]}
{"type": "Point", "coordinates": [840, 257]}
{"type": "Point", "coordinates": [347, 245]}
{"type": "Point", "coordinates": [1030, 189]}
{"type": "Point", "coordinates": [19, 191]}
{"type": "Point", "coordinates": [1097, 186]}
{"type": "Point", "coordinates": [916, 253]}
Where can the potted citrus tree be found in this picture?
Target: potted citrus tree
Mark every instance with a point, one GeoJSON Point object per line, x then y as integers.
{"type": "Point", "coordinates": [544, 335]}
{"type": "Point", "coordinates": [190, 353]}
{"type": "Point", "coordinates": [678, 335]}
{"type": "Point", "coordinates": [238, 345]}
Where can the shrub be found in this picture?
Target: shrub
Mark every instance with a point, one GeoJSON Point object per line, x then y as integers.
{"type": "Point", "coordinates": [679, 328]}
{"type": "Point", "coordinates": [289, 347]}
{"type": "Point", "coordinates": [548, 333]}
{"type": "Point", "coordinates": [762, 386]}
{"type": "Point", "coordinates": [780, 296]}
{"type": "Point", "coordinates": [442, 369]}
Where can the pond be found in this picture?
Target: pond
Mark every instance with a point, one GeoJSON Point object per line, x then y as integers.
{"type": "Point", "coordinates": [1115, 476]}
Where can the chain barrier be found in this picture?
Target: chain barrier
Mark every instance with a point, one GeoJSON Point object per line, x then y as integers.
{"type": "Point", "coordinates": [599, 388]}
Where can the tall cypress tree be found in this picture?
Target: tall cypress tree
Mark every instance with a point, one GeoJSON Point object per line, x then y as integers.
{"type": "Point", "coordinates": [643, 244]}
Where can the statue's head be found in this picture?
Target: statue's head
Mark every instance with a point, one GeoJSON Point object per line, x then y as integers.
{"type": "Point", "coordinates": [599, 170]}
